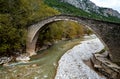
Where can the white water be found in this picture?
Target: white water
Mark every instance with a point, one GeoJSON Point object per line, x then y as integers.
{"type": "Point", "coordinates": [71, 65]}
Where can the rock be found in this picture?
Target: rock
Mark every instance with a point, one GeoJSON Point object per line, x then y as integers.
{"type": "Point", "coordinates": [43, 48]}
{"type": "Point", "coordinates": [54, 64]}
{"type": "Point", "coordinates": [63, 39]}
{"type": "Point", "coordinates": [105, 66]}
{"type": "Point", "coordinates": [23, 58]}
{"type": "Point", "coordinates": [16, 53]}
{"type": "Point", "coordinates": [31, 53]}
{"type": "Point", "coordinates": [48, 43]}
{"type": "Point", "coordinates": [34, 65]}
{"type": "Point", "coordinates": [4, 60]}
{"type": "Point", "coordinates": [45, 76]}
{"type": "Point", "coordinates": [6, 64]}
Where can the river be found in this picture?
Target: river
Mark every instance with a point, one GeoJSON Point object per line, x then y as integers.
{"type": "Point", "coordinates": [45, 64]}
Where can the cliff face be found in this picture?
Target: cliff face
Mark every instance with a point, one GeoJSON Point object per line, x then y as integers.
{"type": "Point", "coordinates": [90, 7]}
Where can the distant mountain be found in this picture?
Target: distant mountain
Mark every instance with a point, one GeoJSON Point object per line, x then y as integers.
{"type": "Point", "coordinates": [90, 7]}
{"type": "Point", "coordinates": [84, 8]}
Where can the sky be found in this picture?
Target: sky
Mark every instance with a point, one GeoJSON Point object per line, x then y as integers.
{"type": "Point", "coordinates": [115, 4]}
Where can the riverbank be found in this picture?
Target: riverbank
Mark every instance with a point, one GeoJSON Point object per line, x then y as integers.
{"type": "Point", "coordinates": [71, 65]}
{"type": "Point", "coordinates": [41, 66]}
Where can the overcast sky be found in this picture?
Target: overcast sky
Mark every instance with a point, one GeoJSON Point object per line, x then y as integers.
{"type": "Point", "coordinates": [115, 4]}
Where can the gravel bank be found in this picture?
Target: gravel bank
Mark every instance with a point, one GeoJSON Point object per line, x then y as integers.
{"type": "Point", "coordinates": [71, 65]}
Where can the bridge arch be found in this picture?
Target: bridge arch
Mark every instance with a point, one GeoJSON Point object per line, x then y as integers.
{"type": "Point", "coordinates": [99, 27]}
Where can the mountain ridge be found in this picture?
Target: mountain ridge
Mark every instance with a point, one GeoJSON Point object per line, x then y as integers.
{"type": "Point", "coordinates": [89, 7]}
{"type": "Point", "coordinates": [66, 8]}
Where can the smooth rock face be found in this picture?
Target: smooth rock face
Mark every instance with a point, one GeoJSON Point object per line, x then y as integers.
{"type": "Point", "coordinates": [71, 65]}
{"type": "Point", "coordinates": [90, 7]}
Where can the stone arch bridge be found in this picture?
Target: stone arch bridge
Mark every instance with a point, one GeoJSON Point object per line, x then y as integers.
{"type": "Point", "coordinates": [107, 31]}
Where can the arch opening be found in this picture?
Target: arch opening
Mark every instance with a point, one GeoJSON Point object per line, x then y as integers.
{"type": "Point", "coordinates": [32, 43]}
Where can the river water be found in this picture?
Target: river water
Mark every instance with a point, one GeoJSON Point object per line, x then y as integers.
{"type": "Point", "coordinates": [42, 66]}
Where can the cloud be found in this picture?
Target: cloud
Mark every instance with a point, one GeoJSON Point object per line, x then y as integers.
{"type": "Point", "coordinates": [115, 4]}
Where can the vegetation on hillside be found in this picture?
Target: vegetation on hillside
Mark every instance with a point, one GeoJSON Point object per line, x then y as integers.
{"type": "Point", "coordinates": [15, 15]}
{"type": "Point", "coordinates": [61, 30]}
{"type": "Point", "coordinates": [66, 8]}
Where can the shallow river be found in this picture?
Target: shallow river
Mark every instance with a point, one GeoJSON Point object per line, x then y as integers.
{"type": "Point", "coordinates": [43, 65]}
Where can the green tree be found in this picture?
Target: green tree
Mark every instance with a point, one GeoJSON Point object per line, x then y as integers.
{"type": "Point", "coordinates": [58, 30]}
{"type": "Point", "coordinates": [15, 17]}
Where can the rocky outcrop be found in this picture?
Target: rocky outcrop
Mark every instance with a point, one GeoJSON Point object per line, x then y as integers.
{"type": "Point", "coordinates": [105, 66]}
{"type": "Point", "coordinates": [90, 7]}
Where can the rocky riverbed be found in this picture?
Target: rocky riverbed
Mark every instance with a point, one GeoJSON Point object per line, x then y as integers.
{"type": "Point", "coordinates": [71, 65]}
{"type": "Point", "coordinates": [45, 64]}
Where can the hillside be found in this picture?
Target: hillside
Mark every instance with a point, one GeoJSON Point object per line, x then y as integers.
{"type": "Point", "coordinates": [89, 10]}
{"type": "Point", "coordinates": [17, 15]}
{"type": "Point", "coordinates": [90, 7]}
